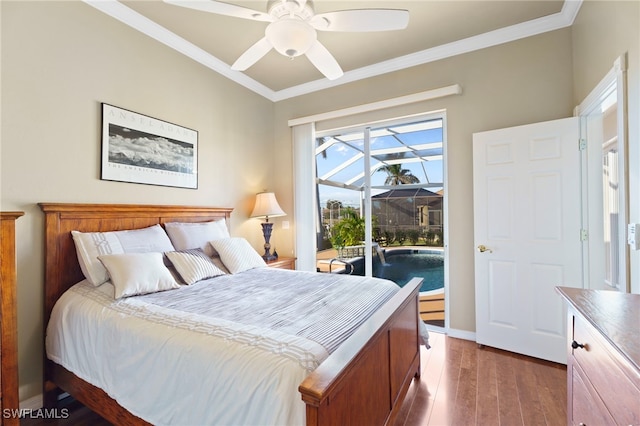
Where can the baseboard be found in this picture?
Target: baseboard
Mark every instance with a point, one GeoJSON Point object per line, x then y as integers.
{"type": "Point", "coordinates": [33, 403]}
{"type": "Point", "coordinates": [452, 332]}
{"type": "Point", "coordinates": [461, 334]}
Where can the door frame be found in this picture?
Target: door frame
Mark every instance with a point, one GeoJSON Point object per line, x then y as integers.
{"type": "Point", "coordinates": [365, 127]}
{"type": "Point", "coordinates": [617, 76]}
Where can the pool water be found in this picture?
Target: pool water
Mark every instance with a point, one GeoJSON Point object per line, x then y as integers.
{"type": "Point", "coordinates": [402, 265]}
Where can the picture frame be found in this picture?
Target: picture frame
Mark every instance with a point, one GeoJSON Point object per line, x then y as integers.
{"type": "Point", "coordinates": [137, 148]}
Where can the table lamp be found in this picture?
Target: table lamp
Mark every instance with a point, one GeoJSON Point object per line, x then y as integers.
{"type": "Point", "coordinates": [267, 206]}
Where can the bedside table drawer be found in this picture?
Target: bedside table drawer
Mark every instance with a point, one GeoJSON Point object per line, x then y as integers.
{"type": "Point", "coordinates": [283, 263]}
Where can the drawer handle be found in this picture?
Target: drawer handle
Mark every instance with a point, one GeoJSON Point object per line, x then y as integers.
{"type": "Point", "coordinates": [576, 345]}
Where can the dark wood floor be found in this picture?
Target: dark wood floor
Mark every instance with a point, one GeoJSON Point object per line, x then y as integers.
{"type": "Point", "coordinates": [461, 384]}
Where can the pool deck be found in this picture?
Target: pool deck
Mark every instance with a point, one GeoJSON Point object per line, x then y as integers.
{"type": "Point", "coordinates": [432, 305]}
{"type": "Point", "coordinates": [323, 257]}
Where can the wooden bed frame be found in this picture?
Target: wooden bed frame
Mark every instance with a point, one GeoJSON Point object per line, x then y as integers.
{"type": "Point", "coordinates": [363, 382]}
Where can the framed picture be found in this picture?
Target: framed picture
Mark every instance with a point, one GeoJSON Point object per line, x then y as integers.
{"type": "Point", "coordinates": [140, 149]}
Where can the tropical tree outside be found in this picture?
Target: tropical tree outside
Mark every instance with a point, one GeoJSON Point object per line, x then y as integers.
{"type": "Point", "coordinates": [396, 175]}
{"type": "Point", "coordinates": [349, 231]}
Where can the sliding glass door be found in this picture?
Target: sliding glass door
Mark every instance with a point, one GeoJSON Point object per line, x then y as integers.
{"type": "Point", "coordinates": [380, 200]}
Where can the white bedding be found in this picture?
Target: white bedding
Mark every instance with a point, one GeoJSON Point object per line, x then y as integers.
{"type": "Point", "coordinates": [234, 352]}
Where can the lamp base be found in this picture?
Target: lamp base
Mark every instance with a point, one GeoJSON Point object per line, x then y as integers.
{"type": "Point", "coordinates": [266, 232]}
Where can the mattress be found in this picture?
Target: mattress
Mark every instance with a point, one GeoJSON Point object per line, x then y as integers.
{"type": "Point", "coordinates": [228, 350]}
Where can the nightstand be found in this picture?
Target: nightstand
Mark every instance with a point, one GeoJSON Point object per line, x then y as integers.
{"type": "Point", "coordinates": [283, 263]}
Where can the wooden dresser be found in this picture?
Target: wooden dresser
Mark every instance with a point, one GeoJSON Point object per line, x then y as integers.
{"type": "Point", "coordinates": [603, 365]}
{"type": "Point", "coordinates": [8, 318]}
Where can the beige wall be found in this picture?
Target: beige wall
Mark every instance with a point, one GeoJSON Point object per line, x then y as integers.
{"type": "Point", "coordinates": [60, 60]}
{"type": "Point", "coordinates": [516, 83]}
{"type": "Point", "coordinates": [602, 32]}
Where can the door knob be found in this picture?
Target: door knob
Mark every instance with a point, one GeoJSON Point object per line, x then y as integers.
{"type": "Point", "coordinates": [576, 345]}
{"type": "Point", "coordinates": [482, 248]}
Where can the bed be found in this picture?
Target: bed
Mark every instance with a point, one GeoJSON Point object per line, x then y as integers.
{"type": "Point", "coordinates": [363, 381]}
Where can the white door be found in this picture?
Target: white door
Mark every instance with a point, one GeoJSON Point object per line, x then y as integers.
{"type": "Point", "coordinates": [527, 214]}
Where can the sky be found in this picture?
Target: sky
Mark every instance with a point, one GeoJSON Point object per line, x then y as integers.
{"type": "Point", "coordinates": [386, 143]}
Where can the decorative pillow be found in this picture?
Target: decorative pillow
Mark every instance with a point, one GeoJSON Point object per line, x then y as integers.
{"type": "Point", "coordinates": [237, 254]}
{"type": "Point", "coordinates": [218, 262]}
{"type": "Point", "coordinates": [138, 273]}
{"type": "Point", "coordinates": [187, 236]}
{"type": "Point", "coordinates": [90, 245]}
{"type": "Point", "coordinates": [193, 265]}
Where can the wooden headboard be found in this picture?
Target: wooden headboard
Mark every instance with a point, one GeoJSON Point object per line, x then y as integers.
{"type": "Point", "coordinates": [62, 269]}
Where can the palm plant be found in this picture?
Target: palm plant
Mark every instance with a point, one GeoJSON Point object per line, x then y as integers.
{"type": "Point", "coordinates": [396, 175]}
{"type": "Point", "coordinates": [349, 231]}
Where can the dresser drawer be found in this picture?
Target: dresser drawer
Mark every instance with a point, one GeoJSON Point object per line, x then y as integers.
{"type": "Point", "coordinates": [615, 382]}
{"type": "Point", "coordinates": [585, 406]}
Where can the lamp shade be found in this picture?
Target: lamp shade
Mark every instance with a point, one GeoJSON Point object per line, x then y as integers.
{"type": "Point", "coordinates": [267, 206]}
{"type": "Point", "coordinates": [291, 37]}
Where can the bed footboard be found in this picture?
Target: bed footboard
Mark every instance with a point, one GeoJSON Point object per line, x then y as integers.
{"type": "Point", "coordinates": [366, 379]}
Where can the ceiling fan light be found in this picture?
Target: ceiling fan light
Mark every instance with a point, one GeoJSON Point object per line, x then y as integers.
{"type": "Point", "coordinates": [291, 37]}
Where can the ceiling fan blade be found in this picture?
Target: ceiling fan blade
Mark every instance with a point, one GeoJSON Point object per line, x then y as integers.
{"type": "Point", "coordinates": [222, 8]}
{"type": "Point", "coordinates": [324, 61]}
{"type": "Point", "coordinates": [361, 20]}
{"type": "Point", "coordinates": [252, 55]}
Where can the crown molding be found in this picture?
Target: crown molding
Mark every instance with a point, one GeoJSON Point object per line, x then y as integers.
{"type": "Point", "coordinates": [146, 26]}
{"type": "Point", "coordinates": [122, 13]}
{"type": "Point", "coordinates": [559, 20]}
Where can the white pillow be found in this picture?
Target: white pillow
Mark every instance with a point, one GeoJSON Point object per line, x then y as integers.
{"type": "Point", "coordinates": [193, 265]}
{"type": "Point", "coordinates": [90, 245]}
{"type": "Point", "coordinates": [187, 236]}
{"type": "Point", "coordinates": [237, 254]}
{"type": "Point", "coordinates": [138, 273]}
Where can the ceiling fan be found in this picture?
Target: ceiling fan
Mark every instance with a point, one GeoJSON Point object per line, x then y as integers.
{"type": "Point", "coordinates": [292, 28]}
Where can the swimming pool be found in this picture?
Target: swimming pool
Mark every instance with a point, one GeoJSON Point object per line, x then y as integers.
{"type": "Point", "coordinates": [403, 264]}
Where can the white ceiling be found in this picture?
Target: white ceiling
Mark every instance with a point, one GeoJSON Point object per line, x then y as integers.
{"type": "Point", "coordinates": [437, 29]}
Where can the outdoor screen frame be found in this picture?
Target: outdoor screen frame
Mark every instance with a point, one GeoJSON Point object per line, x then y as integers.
{"type": "Point", "coordinates": [137, 148]}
